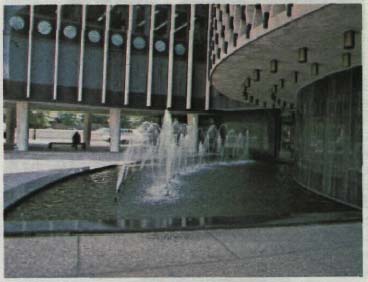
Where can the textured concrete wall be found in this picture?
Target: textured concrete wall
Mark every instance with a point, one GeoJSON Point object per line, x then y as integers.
{"type": "Point", "coordinates": [329, 136]}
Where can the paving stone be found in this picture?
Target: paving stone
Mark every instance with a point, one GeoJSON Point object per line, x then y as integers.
{"type": "Point", "coordinates": [40, 257]}
{"type": "Point", "coordinates": [346, 261]}
{"type": "Point", "coordinates": [258, 242]}
{"type": "Point", "coordinates": [112, 253]}
{"type": "Point", "coordinates": [278, 266]}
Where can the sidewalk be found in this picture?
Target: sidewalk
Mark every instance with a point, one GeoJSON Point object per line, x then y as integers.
{"type": "Point", "coordinates": [309, 250]}
{"type": "Point", "coordinates": [312, 250]}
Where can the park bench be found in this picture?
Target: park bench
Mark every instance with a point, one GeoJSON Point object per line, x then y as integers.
{"type": "Point", "coordinates": [83, 145]}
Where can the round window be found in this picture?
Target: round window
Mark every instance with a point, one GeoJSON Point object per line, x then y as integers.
{"type": "Point", "coordinates": [94, 36]}
{"type": "Point", "coordinates": [160, 46]}
{"type": "Point", "coordinates": [139, 43]}
{"type": "Point", "coordinates": [16, 22]}
{"type": "Point", "coordinates": [117, 39]}
{"type": "Point", "coordinates": [180, 49]}
{"type": "Point", "coordinates": [44, 27]}
{"type": "Point", "coordinates": [70, 31]}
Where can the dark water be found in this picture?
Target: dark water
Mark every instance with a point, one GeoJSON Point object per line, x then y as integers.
{"type": "Point", "coordinates": [251, 191]}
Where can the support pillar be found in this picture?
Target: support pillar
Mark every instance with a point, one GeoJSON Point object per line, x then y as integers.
{"type": "Point", "coordinates": [114, 122]}
{"type": "Point", "coordinates": [87, 129]}
{"type": "Point", "coordinates": [190, 57]}
{"type": "Point", "coordinates": [10, 125]}
{"type": "Point", "coordinates": [22, 126]}
{"type": "Point", "coordinates": [192, 120]}
{"type": "Point", "coordinates": [171, 57]}
{"type": "Point", "coordinates": [150, 56]}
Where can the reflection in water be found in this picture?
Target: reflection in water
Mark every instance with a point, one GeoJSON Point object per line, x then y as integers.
{"type": "Point", "coordinates": [243, 194]}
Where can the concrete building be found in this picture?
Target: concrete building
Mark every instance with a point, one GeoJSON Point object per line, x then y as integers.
{"type": "Point", "coordinates": [295, 64]}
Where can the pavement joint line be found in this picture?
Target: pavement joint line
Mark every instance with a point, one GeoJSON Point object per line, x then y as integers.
{"type": "Point", "coordinates": [222, 244]}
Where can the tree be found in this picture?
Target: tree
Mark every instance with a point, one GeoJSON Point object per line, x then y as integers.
{"type": "Point", "coordinates": [38, 120]}
{"type": "Point", "coordinates": [69, 119]}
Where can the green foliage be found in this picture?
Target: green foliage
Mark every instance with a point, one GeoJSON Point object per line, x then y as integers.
{"type": "Point", "coordinates": [69, 119]}
{"type": "Point", "coordinates": [38, 119]}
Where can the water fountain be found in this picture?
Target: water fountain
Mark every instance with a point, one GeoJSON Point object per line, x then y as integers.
{"type": "Point", "coordinates": [175, 149]}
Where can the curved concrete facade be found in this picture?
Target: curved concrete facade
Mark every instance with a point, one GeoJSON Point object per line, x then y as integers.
{"type": "Point", "coordinates": [257, 50]}
{"type": "Point", "coordinates": [329, 136]}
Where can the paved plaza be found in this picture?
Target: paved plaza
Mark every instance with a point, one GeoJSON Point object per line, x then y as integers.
{"type": "Point", "coordinates": [310, 250]}
{"type": "Point", "coordinates": [315, 250]}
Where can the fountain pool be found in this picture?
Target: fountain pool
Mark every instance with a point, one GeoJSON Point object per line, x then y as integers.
{"type": "Point", "coordinates": [174, 180]}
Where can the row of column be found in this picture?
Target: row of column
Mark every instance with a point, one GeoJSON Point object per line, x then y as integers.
{"type": "Point", "coordinates": [17, 119]}
{"type": "Point", "coordinates": [17, 127]}
{"type": "Point", "coordinates": [128, 54]}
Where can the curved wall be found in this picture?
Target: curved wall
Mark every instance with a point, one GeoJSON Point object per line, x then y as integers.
{"type": "Point", "coordinates": [329, 136]}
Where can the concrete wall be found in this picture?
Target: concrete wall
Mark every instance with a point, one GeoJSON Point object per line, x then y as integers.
{"type": "Point", "coordinates": [329, 136]}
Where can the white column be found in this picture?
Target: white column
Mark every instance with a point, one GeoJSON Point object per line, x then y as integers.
{"type": "Point", "coordinates": [127, 56]}
{"type": "Point", "coordinates": [171, 57]}
{"type": "Point", "coordinates": [10, 125]}
{"type": "Point", "coordinates": [87, 129]}
{"type": "Point", "coordinates": [56, 56]}
{"type": "Point", "coordinates": [150, 57]}
{"type": "Point", "coordinates": [81, 54]}
{"type": "Point", "coordinates": [22, 126]}
{"type": "Point", "coordinates": [207, 101]}
{"type": "Point", "coordinates": [190, 57]}
{"type": "Point", "coordinates": [29, 55]}
{"type": "Point", "coordinates": [106, 53]}
{"type": "Point", "coordinates": [114, 130]}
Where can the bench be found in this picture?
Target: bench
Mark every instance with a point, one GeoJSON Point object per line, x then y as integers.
{"type": "Point", "coordinates": [83, 145]}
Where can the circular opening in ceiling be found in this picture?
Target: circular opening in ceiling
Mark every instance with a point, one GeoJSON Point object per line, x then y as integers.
{"type": "Point", "coordinates": [44, 27]}
{"type": "Point", "coordinates": [180, 49]}
{"type": "Point", "coordinates": [16, 22]}
{"type": "Point", "coordinates": [139, 43]}
{"type": "Point", "coordinates": [160, 46]}
{"type": "Point", "coordinates": [94, 36]}
{"type": "Point", "coordinates": [70, 31]}
{"type": "Point", "coordinates": [117, 39]}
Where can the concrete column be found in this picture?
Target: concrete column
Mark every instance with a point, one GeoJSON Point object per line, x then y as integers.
{"type": "Point", "coordinates": [10, 125]}
{"type": "Point", "coordinates": [192, 120]}
{"type": "Point", "coordinates": [56, 55]}
{"type": "Point", "coordinates": [87, 129]}
{"type": "Point", "coordinates": [114, 122]}
{"type": "Point", "coordinates": [190, 57]}
{"type": "Point", "coordinates": [150, 56]}
{"type": "Point", "coordinates": [81, 53]}
{"type": "Point", "coordinates": [207, 93]}
{"type": "Point", "coordinates": [127, 56]}
{"type": "Point", "coordinates": [22, 126]}
{"type": "Point", "coordinates": [105, 53]}
{"type": "Point", "coordinates": [171, 57]}
{"type": "Point", "coordinates": [29, 55]}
